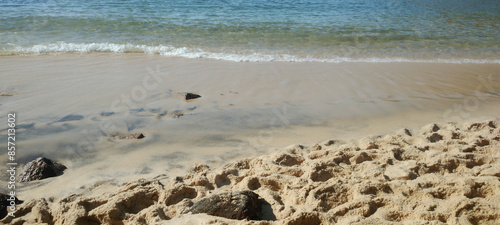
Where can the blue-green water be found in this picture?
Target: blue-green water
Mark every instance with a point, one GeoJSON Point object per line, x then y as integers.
{"type": "Point", "coordinates": [258, 30]}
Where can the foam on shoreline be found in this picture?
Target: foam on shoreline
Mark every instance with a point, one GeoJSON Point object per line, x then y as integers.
{"type": "Point", "coordinates": [197, 53]}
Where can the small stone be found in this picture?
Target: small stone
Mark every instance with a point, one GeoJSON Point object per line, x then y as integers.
{"type": "Point", "coordinates": [403, 133]}
{"type": "Point", "coordinates": [39, 169]}
{"type": "Point", "coordinates": [430, 128]}
{"type": "Point", "coordinates": [231, 205]}
{"type": "Point", "coordinates": [190, 96]}
{"type": "Point", "coordinates": [493, 124]}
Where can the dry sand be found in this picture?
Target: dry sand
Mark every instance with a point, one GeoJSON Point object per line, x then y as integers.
{"type": "Point", "coordinates": [70, 107]}
{"type": "Point", "coordinates": [440, 174]}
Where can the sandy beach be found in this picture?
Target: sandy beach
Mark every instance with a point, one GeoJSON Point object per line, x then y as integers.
{"type": "Point", "coordinates": [320, 143]}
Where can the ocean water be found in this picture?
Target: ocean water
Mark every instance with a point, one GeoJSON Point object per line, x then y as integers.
{"type": "Point", "coordinates": [454, 31]}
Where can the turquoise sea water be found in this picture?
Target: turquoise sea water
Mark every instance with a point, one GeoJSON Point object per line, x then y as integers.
{"type": "Point", "coordinates": [258, 30]}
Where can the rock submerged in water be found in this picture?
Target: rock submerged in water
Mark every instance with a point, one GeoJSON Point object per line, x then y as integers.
{"type": "Point", "coordinates": [189, 96]}
{"type": "Point", "coordinates": [177, 115]}
{"type": "Point", "coordinates": [39, 169]}
{"type": "Point", "coordinates": [131, 136]}
{"type": "Point", "coordinates": [231, 205]}
{"type": "Point", "coordinates": [5, 201]}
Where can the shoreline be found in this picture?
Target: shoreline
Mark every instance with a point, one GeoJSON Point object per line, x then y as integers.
{"type": "Point", "coordinates": [262, 58]}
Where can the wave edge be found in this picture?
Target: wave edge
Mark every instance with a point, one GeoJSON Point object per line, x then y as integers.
{"type": "Point", "coordinates": [63, 47]}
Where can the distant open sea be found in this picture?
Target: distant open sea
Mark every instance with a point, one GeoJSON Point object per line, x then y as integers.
{"type": "Point", "coordinates": [454, 31]}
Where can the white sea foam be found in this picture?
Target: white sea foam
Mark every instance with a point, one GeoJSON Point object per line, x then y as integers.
{"type": "Point", "coordinates": [63, 47]}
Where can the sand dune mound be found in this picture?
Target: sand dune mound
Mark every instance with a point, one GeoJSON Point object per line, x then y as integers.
{"type": "Point", "coordinates": [441, 174]}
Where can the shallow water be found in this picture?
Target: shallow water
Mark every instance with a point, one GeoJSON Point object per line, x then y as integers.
{"type": "Point", "coordinates": [286, 30]}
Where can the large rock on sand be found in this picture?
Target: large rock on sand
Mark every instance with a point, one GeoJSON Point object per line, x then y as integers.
{"type": "Point", "coordinates": [39, 169]}
{"type": "Point", "coordinates": [231, 205]}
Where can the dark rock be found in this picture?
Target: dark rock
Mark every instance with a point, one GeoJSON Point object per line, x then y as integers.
{"type": "Point", "coordinates": [189, 96]}
{"type": "Point", "coordinates": [39, 169]}
{"type": "Point", "coordinates": [131, 136]}
{"type": "Point", "coordinates": [434, 127]}
{"type": "Point", "coordinates": [231, 205]}
{"type": "Point", "coordinates": [5, 203]}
